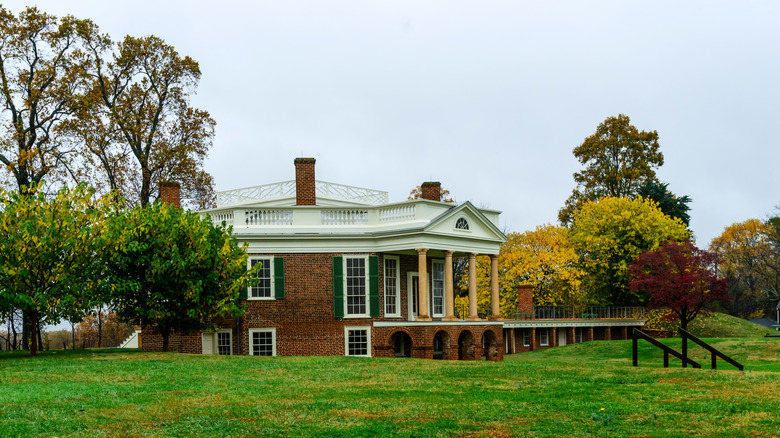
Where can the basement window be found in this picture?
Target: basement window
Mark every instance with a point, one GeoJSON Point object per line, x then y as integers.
{"type": "Point", "coordinates": [263, 342]}
{"type": "Point", "coordinates": [357, 341]}
{"type": "Point", "coordinates": [544, 337]}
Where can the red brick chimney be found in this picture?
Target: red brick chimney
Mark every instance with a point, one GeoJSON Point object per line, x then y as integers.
{"type": "Point", "coordinates": [305, 190]}
{"type": "Point", "coordinates": [170, 193]}
{"type": "Point", "coordinates": [431, 190]}
{"type": "Point", "coordinates": [525, 299]}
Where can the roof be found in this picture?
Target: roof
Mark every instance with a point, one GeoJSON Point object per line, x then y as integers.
{"type": "Point", "coordinates": [356, 219]}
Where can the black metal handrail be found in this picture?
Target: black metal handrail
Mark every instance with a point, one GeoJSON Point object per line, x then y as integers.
{"type": "Point", "coordinates": [636, 334]}
{"type": "Point", "coordinates": [714, 353]}
{"type": "Point", "coordinates": [588, 312]}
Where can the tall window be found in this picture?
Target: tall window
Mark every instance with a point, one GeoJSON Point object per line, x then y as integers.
{"type": "Point", "coordinates": [544, 337]}
{"type": "Point", "coordinates": [526, 337]}
{"type": "Point", "coordinates": [392, 308]}
{"type": "Point", "coordinates": [262, 342]}
{"type": "Point", "coordinates": [264, 288]}
{"type": "Point", "coordinates": [357, 341]}
{"type": "Point", "coordinates": [437, 287]}
{"type": "Point", "coordinates": [224, 344]}
{"type": "Point", "coordinates": [356, 290]}
{"type": "Point", "coordinates": [578, 335]}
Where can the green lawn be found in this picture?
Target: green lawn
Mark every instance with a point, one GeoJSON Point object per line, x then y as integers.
{"type": "Point", "coordinates": [576, 390]}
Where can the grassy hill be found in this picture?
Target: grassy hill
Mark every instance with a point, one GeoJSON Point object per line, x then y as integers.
{"type": "Point", "coordinates": [587, 389]}
{"type": "Point", "coordinates": [720, 325]}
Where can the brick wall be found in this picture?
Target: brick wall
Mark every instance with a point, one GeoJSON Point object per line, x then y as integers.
{"type": "Point", "coordinates": [170, 193]}
{"type": "Point", "coordinates": [431, 191]}
{"type": "Point", "coordinates": [305, 188]}
{"type": "Point", "coordinates": [305, 324]}
{"type": "Point", "coordinates": [525, 298]}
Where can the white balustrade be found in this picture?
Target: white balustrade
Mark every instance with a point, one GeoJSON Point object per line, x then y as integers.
{"type": "Point", "coordinates": [256, 193]}
{"type": "Point", "coordinates": [222, 216]}
{"type": "Point", "coordinates": [399, 213]}
{"type": "Point", "coordinates": [312, 216]}
{"type": "Point", "coordinates": [344, 217]}
{"type": "Point", "coordinates": [287, 188]}
{"type": "Point", "coordinates": [351, 193]}
{"type": "Point", "coordinates": [268, 217]}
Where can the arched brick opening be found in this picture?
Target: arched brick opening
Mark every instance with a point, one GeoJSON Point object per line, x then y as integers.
{"type": "Point", "coordinates": [490, 345]}
{"type": "Point", "coordinates": [441, 345]}
{"type": "Point", "coordinates": [466, 346]}
{"type": "Point", "coordinates": [401, 344]}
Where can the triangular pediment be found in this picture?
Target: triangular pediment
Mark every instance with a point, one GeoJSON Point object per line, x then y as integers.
{"type": "Point", "coordinates": [465, 221]}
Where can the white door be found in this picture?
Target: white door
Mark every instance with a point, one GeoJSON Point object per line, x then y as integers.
{"type": "Point", "coordinates": [208, 343]}
{"type": "Point", "coordinates": [413, 290]}
{"type": "Point", "coordinates": [561, 337]}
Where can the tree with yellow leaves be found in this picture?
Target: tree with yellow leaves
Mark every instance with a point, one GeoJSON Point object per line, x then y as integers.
{"type": "Point", "coordinates": [749, 262]}
{"type": "Point", "coordinates": [543, 258]}
{"type": "Point", "coordinates": [609, 234]}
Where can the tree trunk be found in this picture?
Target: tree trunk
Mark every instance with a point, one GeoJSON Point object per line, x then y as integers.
{"type": "Point", "coordinates": [13, 329]}
{"type": "Point", "coordinates": [40, 338]}
{"type": "Point", "coordinates": [165, 335]}
{"type": "Point", "coordinates": [33, 318]}
{"type": "Point", "coordinates": [25, 331]}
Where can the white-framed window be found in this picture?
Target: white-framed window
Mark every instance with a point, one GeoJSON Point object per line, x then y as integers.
{"type": "Point", "coordinates": [264, 289]}
{"type": "Point", "coordinates": [219, 342]}
{"type": "Point", "coordinates": [357, 341]}
{"type": "Point", "coordinates": [544, 337]}
{"type": "Point", "coordinates": [578, 335]}
{"type": "Point", "coordinates": [392, 287]}
{"type": "Point", "coordinates": [526, 337]}
{"type": "Point", "coordinates": [462, 224]}
{"type": "Point", "coordinates": [262, 341]}
{"type": "Point", "coordinates": [225, 343]}
{"type": "Point", "coordinates": [356, 286]}
{"type": "Point", "coordinates": [437, 288]}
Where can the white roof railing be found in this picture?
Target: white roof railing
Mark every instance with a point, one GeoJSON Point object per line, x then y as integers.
{"type": "Point", "coordinates": [283, 189]}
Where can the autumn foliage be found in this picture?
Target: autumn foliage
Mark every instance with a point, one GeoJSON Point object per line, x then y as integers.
{"type": "Point", "coordinates": [681, 277]}
{"type": "Point", "coordinates": [608, 235]}
{"type": "Point", "coordinates": [750, 262]}
{"type": "Point", "coordinates": [543, 258]}
{"type": "Point", "coordinates": [618, 159]}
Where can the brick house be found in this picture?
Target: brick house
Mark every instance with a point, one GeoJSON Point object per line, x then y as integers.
{"type": "Point", "coordinates": [345, 272]}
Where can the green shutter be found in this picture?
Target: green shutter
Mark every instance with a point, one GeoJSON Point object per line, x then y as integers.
{"type": "Point", "coordinates": [278, 278]}
{"type": "Point", "coordinates": [244, 294]}
{"type": "Point", "coordinates": [338, 287]}
{"type": "Point", "coordinates": [373, 285]}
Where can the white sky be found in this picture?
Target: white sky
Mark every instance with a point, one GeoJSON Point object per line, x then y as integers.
{"type": "Point", "coordinates": [487, 97]}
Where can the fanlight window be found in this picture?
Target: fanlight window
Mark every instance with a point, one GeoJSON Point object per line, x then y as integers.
{"type": "Point", "coordinates": [462, 224]}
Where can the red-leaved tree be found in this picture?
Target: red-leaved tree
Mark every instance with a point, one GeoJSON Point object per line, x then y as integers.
{"type": "Point", "coordinates": [681, 277]}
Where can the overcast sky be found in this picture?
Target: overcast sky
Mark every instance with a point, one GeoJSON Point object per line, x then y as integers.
{"type": "Point", "coordinates": [487, 97]}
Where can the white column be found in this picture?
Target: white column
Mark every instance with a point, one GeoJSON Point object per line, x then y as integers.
{"type": "Point", "coordinates": [422, 289]}
{"type": "Point", "coordinates": [495, 308]}
{"type": "Point", "coordinates": [473, 287]}
{"type": "Point", "coordinates": [449, 293]}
